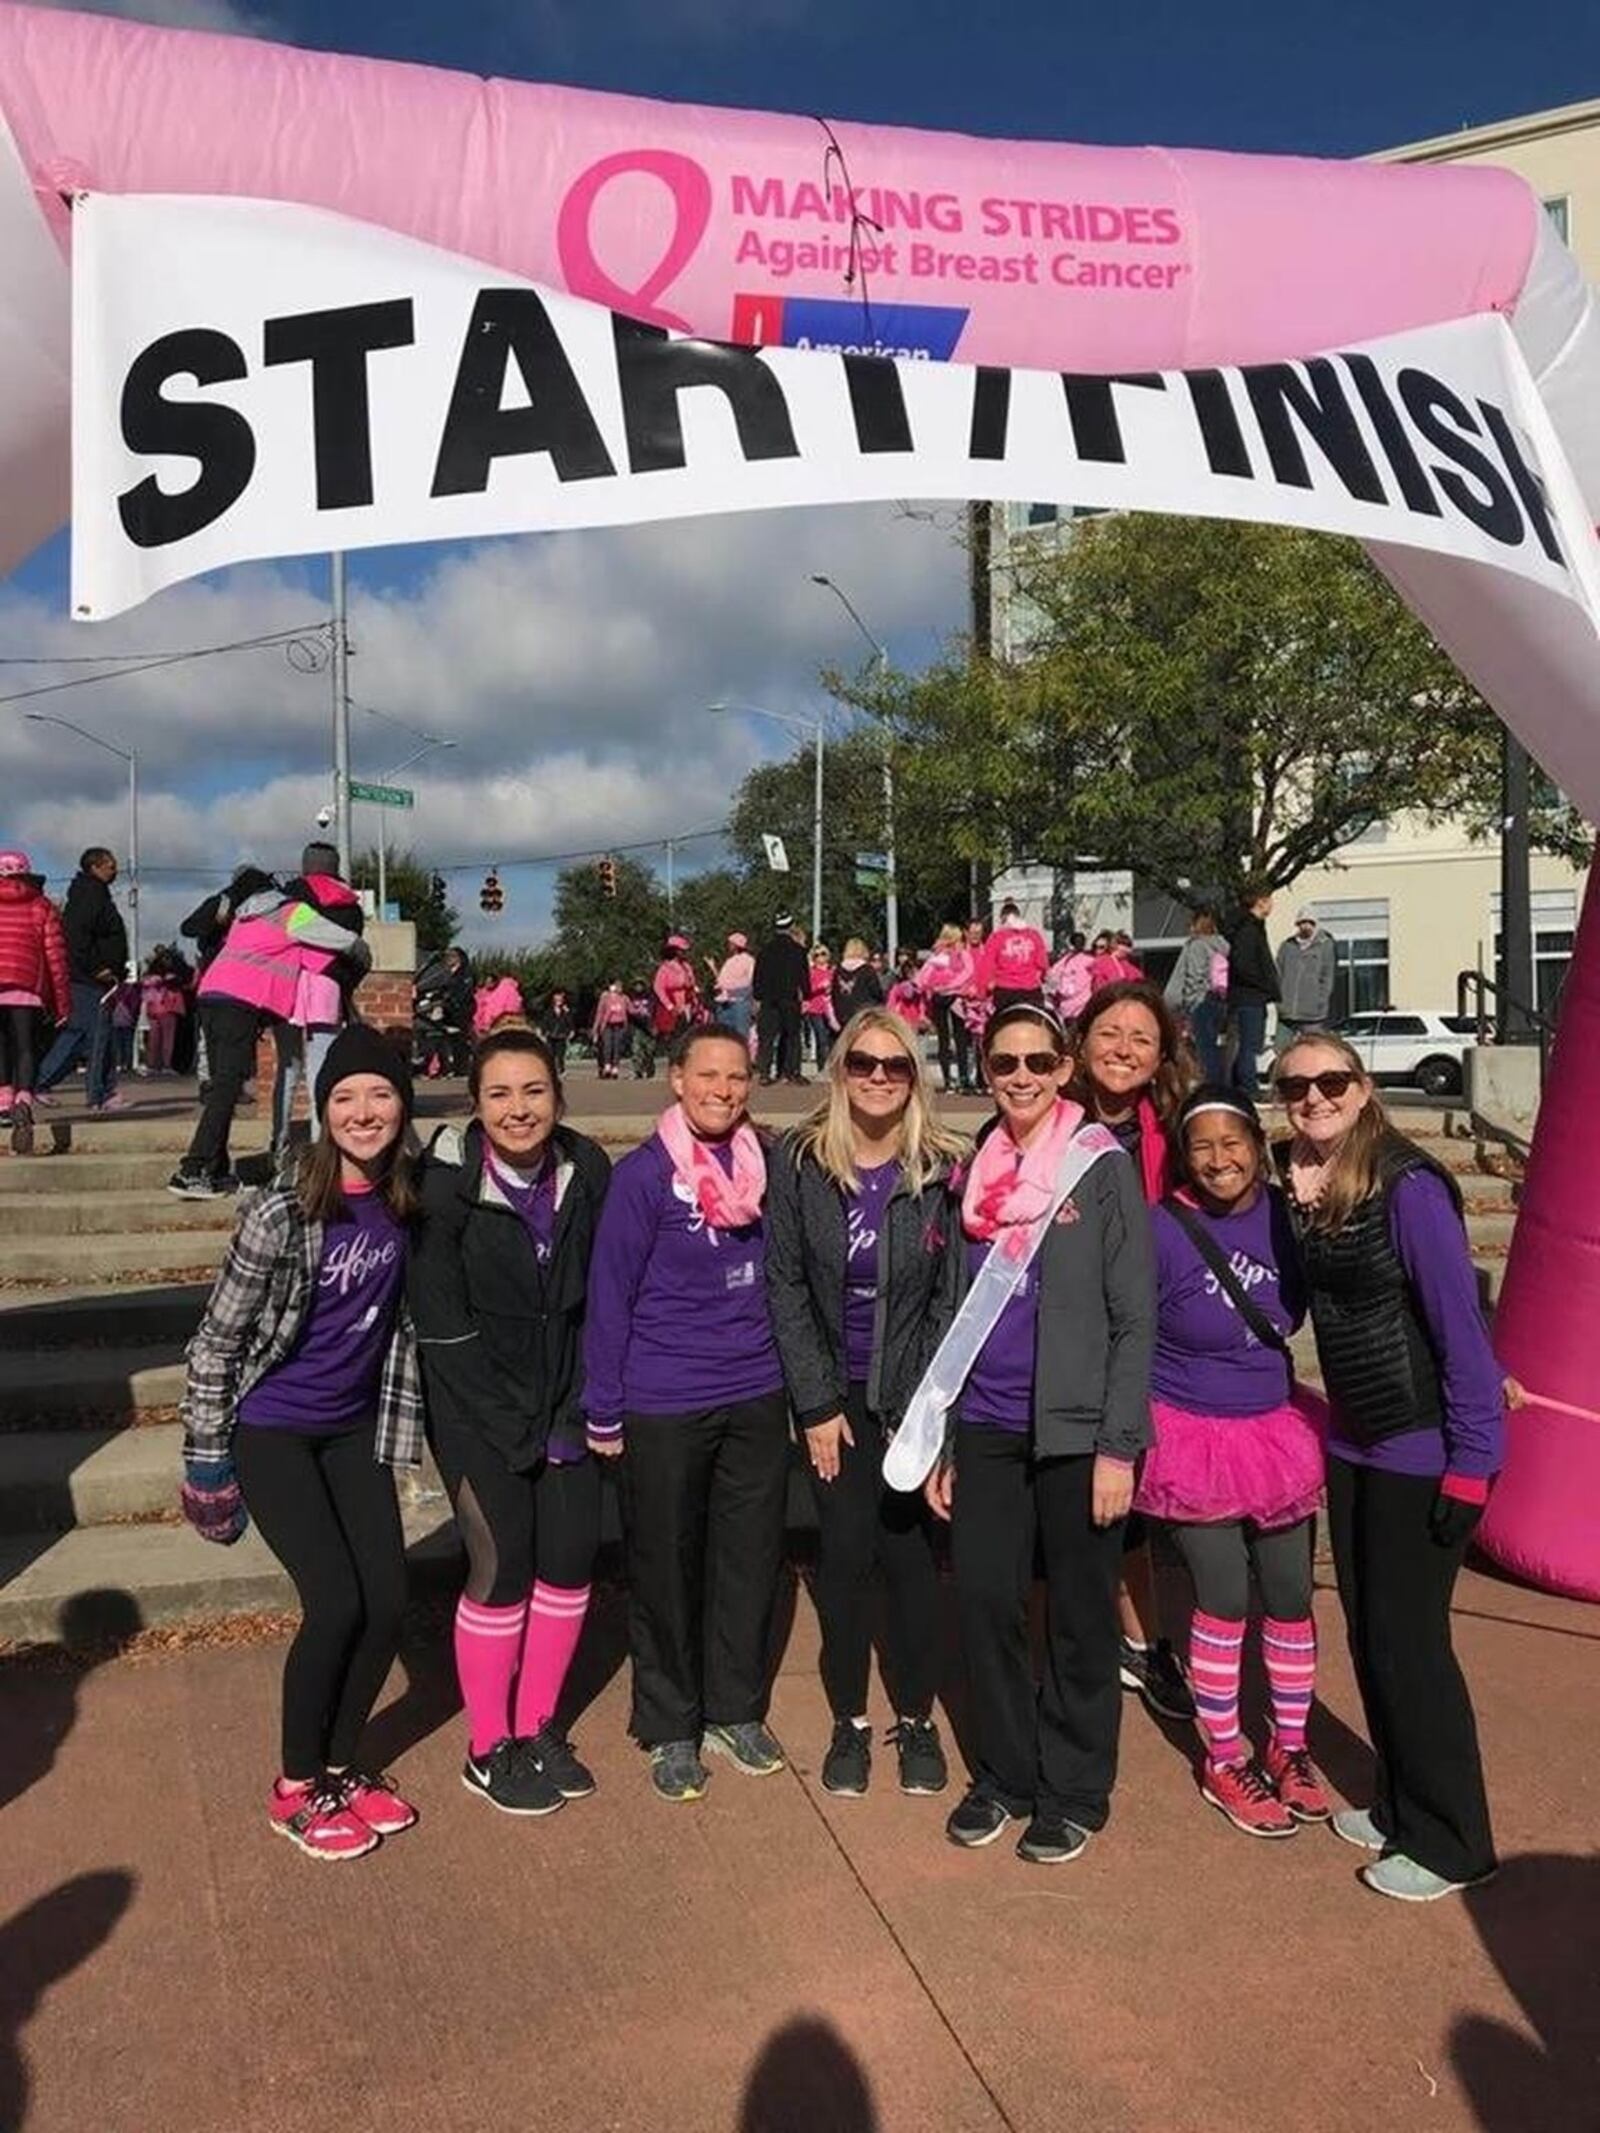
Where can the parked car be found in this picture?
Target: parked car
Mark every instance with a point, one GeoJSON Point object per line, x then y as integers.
{"type": "Point", "coordinates": [1402, 1049]}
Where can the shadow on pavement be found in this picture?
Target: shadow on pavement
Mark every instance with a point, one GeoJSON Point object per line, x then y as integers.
{"type": "Point", "coordinates": [1539, 1921]}
{"type": "Point", "coordinates": [808, 2080]}
{"type": "Point", "coordinates": [42, 1692]}
{"type": "Point", "coordinates": [41, 1945]}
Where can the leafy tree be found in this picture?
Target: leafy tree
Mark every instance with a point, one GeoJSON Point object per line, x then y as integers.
{"type": "Point", "coordinates": [410, 885]}
{"type": "Point", "coordinates": [1204, 703]}
{"type": "Point", "coordinates": [598, 937]}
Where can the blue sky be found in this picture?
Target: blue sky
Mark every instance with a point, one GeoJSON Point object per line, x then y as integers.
{"type": "Point", "coordinates": [572, 673]}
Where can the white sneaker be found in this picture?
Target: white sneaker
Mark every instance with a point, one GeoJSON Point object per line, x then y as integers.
{"type": "Point", "coordinates": [1356, 1826]}
{"type": "Point", "coordinates": [1407, 1882]}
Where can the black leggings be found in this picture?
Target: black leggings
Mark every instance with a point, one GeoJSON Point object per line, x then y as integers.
{"type": "Point", "coordinates": [1221, 1557]}
{"type": "Point", "coordinates": [951, 1033]}
{"type": "Point", "coordinates": [19, 1060]}
{"type": "Point", "coordinates": [517, 1526]}
{"type": "Point", "coordinates": [327, 1511]}
{"type": "Point", "coordinates": [862, 1524]}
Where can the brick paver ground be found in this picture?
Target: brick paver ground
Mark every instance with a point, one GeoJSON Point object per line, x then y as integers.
{"type": "Point", "coordinates": [769, 1961]}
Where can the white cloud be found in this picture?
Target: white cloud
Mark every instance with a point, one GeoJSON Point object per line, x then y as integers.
{"type": "Point", "coordinates": [223, 15]}
{"type": "Point", "coordinates": [572, 672]}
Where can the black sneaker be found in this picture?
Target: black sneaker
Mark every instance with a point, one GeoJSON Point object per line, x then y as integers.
{"type": "Point", "coordinates": [1051, 1840]}
{"type": "Point", "coordinates": [848, 1763]}
{"type": "Point", "coordinates": [572, 1779]}
{"type": "Point", "coordinates": [192, 1185]}
{"type": "Point", "coordinates": [512, 1778]}
{"type": "Point", "coordinates": [1152, 1670]}
{"type": "Point", "coordinates": [747, 1745]}
{"type": "Point", "coordinates": [978, 1820]}
{"type": "Point", "coordinates": [21, 1130]}
{"type": "Point", "coordinates": [676, 1770]}
{"type": "Point", "coordinates": [922, 1765]}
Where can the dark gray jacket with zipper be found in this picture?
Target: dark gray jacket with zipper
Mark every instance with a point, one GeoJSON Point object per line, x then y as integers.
{"type": "Point", "coordinates": [918, 1249]}
{"type": "Point", "coordinates": [1096, 1338]}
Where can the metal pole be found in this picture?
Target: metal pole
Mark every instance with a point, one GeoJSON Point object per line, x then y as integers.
{"type": "Point", "coordinates": [816, 847]}
{"type": "Point", "coordinates": [891, 899]}
{"type": "Point", "coordinates": [383, 859]}
{"type": "Point", "coordinates": [133, 857]}
{"type": "Point", "coordinates": [672, 898]}
{"type": "Point", "coordinates": [1516, 904]}
{"type": "Point", "coordinates": [341, 716]}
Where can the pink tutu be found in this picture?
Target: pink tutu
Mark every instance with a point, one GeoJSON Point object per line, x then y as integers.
{"type": "Point", "coordinates": [1206, 1468]}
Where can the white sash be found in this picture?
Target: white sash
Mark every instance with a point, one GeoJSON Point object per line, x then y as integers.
{"type": "Point", "coordinates": [917, 1443]}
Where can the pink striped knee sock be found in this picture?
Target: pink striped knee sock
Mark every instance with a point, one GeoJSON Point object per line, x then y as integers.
{"type": "Point", "coordinates": [555, 1622]}
{"type": "Point", "coordinates": [488, 1646]}
{"type": "Point", "coordinates": [1216, 1649]}
{"type": "Point", "coordinates": [1290, 1652]}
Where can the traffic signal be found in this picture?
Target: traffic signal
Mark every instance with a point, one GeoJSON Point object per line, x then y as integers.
{"type": "Point", "coordinates": [438, 894]}
{"type": "Point", "coordinates": [608, 876]}
{"type": "Point", "coordinates": [491, 897]}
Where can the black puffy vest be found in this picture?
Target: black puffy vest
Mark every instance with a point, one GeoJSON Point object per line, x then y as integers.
{"type": "Point", "coordinates": [1378, 1362]}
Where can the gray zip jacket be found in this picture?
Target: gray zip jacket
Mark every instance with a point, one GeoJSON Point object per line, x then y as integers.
{"type": "Point", "coordinates": [1096, 1334]}
{"type": "Point", "coordinates": [1306, 975]}
{"type": "Point", "coordinates": [918, 1253]}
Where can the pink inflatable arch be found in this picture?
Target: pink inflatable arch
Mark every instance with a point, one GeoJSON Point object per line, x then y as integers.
{"type": "Point", "coordinates": [748, 226]}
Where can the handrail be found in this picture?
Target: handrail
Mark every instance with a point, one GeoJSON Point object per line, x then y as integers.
{"type": "Point", "coordinates": [1507, 1007]}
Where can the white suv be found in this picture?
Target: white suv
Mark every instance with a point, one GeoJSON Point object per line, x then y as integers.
{"type": "Point", "coordinates": [1424, 1051]}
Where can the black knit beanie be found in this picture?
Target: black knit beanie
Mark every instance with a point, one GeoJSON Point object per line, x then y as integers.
{"type": "Point", "coordinates": [360, 1049]}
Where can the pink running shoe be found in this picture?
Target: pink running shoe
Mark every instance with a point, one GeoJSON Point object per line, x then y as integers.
{"type": "Point", "coordinates": [377, 1802]}
{"type": "Point", "coordinates": [1242, 1793]}
{"type": "Point", "coordinates": [1298, 1783]}
{"type": "Point", "coordinates": [116, 1101]}
{"type": "Point", "coordinates": [315, 1816]}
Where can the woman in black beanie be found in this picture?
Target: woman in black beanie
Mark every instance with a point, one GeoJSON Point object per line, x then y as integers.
{"type": "Point", "coordinates": [302, 1394]}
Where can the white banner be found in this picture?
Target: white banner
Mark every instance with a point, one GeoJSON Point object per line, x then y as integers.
{"type": "Point", "coordinates": [257, 379]}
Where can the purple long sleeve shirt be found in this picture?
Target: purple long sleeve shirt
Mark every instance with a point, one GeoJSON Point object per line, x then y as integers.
{"type": "Point", "coordinates": [677, 1316]}
{"type": "Point", "coordinates": [1432, 1246]}
{"type": "Point", "coordinates": [331, 1380]}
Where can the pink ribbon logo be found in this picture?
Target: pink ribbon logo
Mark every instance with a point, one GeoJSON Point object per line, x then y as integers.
{"type": "Point", "coordinates": [690, 187]}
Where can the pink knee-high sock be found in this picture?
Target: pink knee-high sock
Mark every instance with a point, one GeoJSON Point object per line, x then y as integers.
{"type": "Point", "coordinates": [1216, 1649]}
{"type": "Point", "coordinates": [555, 1623]}
{"type": "Point", "coordinates": [1290, 1652]}
{"type": "Point", "coordinates": [488, 1647]}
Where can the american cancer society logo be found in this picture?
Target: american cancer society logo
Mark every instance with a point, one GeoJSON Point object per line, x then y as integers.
{"type": "Point", "coordinates": [925, 332]}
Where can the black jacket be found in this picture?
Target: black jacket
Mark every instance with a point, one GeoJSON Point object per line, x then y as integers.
{"type": "Point", "coordinates": [500, 1338]}
{"type": "Point", "coordinates": [207, 924]}
{"type": "Point", "coordinates": [782, 973]}
{"type": "Point", "coordinates": [806, 1218]}
{"type": "Point", "coordinates": [859, 986]}
{"type": "Point", "coordinates": [1252, 972]}
{"type": "Point", "coordinates": [97, 940]}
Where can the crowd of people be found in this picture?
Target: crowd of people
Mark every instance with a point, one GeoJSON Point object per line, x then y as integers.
{"type": "Point", "coordinates": [1102, 1288]}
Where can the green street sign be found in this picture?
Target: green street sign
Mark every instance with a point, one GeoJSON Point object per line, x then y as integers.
{"type": "Point", "coordinates": [383, 795]}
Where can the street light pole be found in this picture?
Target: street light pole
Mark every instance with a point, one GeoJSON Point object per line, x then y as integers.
{"type": "Point", "coordinates": [816, 728]}
{"type": "Point", "coordinates": [340, 664]}
{"type": "Point", "coordinates": [430, 741]}
{"type": "Point", "coordinates": [891, 886]}
{"type": "Point", "coordinates": [131, 757]}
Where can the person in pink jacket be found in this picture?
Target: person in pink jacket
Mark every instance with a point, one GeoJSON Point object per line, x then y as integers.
{"type": "Point", "coordinates": [35, 977]}
{"type": "Point", "coordinates": [496, 1000]}
{"type": "Point", "coordinates": [947, 976]}
{"type": "Point", "coordinates": [676, 990]}
{"type": "Point", "coordinates": [1012, 967]}
{"type": "Point", "coordinates": [906, 996]}
{"type": "Point", "coordinates": [821, 1023]}
{"type": "Point", "coordinates": [1069, 981]}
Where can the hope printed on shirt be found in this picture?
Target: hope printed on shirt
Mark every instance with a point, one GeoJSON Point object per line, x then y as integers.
{"type": "Point", "coordinates": [1250, 1274]}
{"type": "Point", "coordinates": [353, 1261]}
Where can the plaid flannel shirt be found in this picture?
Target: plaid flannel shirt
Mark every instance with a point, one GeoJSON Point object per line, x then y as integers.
{"type": "Point", "coordinates": [254, 1317]}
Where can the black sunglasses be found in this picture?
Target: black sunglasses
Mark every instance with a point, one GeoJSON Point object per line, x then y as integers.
{"type": "Point", "coordinates": [1003, 1063]}
{"type": "Point", "coordinates": [861, 1066]}
{"type": "Point", "coordinates": [1295, 1088]}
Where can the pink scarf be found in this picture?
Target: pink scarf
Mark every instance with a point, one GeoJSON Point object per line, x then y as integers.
{"type": "Point", "coordinates": [726, 1202]}
{"type": "Point", "coordinates": [1154, 1159]}
{"type": "Point", "coordinates": [1009, 1189]}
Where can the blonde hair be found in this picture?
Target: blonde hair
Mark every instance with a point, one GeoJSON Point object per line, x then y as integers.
{"type": "Point", "coordinates": [950, 936]}
{"type": "Point", "coordinates": [1352, 1174]}
{"type": "Point", "coordinates": [826, 1135]}
{"type": "Point", "coordinates": [856, 947]}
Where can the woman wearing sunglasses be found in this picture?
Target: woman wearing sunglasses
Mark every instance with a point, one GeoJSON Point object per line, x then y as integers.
{"type": "Point", "coordinates": [1236, 1468]}
{"type": "Point", "coordinates": [1052, 1415]}
{"type": "Point", "coordinates": [1132, 1071]}
{"type": "Point", "coordinates": [859, 1279]}
{"type": "Point", "coordinates": [1417, 1435]}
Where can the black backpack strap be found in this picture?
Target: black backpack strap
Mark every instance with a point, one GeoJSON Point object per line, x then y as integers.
{"type": "Point", "coordinates": [1269, 1335]}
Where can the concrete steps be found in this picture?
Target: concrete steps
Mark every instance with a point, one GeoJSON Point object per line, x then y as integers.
{"type": "Point", "coordinates": [153, 1255]}
{"type": "Point", "coordinates": [66, 1383]}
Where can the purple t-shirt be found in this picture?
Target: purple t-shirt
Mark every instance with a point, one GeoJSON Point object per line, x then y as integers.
{"type": "Point", "coordinates": [1207, 1359]}
{"type": "Point", "coordinates": [999, 1387]}
{"type": "Point", "coordinates": [532, 1196]}
{"type": "Point", "coordinates": [677, 1318]}
{"type": "Point", "coordinates": [331, 1380]}
{"type": "Point", "coordinates": [863, 1226]}
{"type": "Point", "coordinates": [1432, 1246]}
